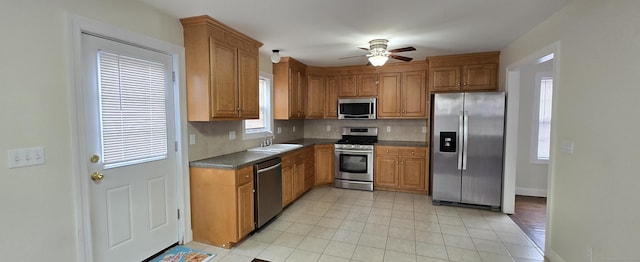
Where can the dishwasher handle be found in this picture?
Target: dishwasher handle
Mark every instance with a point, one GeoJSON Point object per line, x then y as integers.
{"type": "Point", "coordinates": [269, 168]}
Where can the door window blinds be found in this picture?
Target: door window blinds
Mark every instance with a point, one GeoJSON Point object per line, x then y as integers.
{"type": "Point", "coordinates": [133, 114]}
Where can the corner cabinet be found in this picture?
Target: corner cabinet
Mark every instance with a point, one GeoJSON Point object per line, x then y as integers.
{"type": "Point", "coordinates": [222, 205]}
{"type": "Point", "coordinates": [402, 95]}
{"type": "Point", "coordinates": [400, 168]}
{"type": "Point", "coordinates": [289, 89]}
{"type": "Point", "coordinates": [467, 72]}
{"type": "Point", "coordinates": [222, 71]}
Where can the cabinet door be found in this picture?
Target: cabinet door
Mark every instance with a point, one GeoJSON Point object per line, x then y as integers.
{"type": "Point", "coordinates": [287, 185]}
{"type": "Point", "coordinates": [367, 85]}
{"type": "Point", "coordinates": [444, 78]}
{"type": "Point", "coordinates": [325, 159]}
{"type": "Point", "coordinates": [414, 95]}
{"type": "Point", "coordinates": [386, 171]}
{"type": "Point", "coordinates": [479, 77]}
{"type": "Point", "coordinates": [294, 92]}
{"type": "Point", "coordinates": [316, 97]}
{"type": "Point", "coordinates": [248, 85]}
{"type": "Point", "coordinates": [224, 80]}
{"type": "Point", "coordinates": [389, 100]}
{"type": "Point", "coordinates": [298, 179]}
{"type": "Point", "coordinates": [331, 97]}
{"type": "Point", "coordinates": [245, 209]}
{"type": "Point", "coordinates": [347, 86]}
{"type": "Point", "coordinates": [412, 173]}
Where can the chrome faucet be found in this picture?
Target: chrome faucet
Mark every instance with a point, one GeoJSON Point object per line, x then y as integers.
{"type": "Point", "coordinates": [267, 140]}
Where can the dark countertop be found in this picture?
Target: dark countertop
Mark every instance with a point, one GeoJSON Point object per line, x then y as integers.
{"type": "Point", "coordinates": [401, 143]}
{"type": "Point", "coordinates": [246, 158]}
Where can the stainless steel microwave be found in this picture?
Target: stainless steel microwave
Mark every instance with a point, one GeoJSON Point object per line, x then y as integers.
{"type": "Point", "coordinates": [357, 108]}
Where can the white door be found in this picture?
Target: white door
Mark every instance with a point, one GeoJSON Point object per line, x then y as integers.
{"type": "Point", "coordinates": [130, 133]}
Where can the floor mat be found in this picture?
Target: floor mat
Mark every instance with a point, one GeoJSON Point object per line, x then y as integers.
{"type": "Point", "coordinates": [184, 254]}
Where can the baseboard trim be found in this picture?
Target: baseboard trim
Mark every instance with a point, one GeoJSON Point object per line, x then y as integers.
{"type": "Point", "coordinates": [552, 256]}
{"type": "Point", "coordinates": [523, 191]}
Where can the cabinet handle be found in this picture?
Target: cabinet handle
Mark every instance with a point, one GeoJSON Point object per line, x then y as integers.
{"type": "Point", "coordinates": [464, 84]}
{"type": "Point", "coordinates": [458, 84]}
{"type": "Point", "coordinates": [247, 176]}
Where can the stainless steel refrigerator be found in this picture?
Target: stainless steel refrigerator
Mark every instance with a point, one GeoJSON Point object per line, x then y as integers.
{"type": "Point", "coordinates": [467, 148]}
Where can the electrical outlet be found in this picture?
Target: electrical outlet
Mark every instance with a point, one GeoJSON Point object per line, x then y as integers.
{"type": "Point", "coordinates": [294, 129]}
{"type": "Point", "coordinates": [328, 128]}
{"type": "Point", "coordinates": [589, 254]}
{"type": "Point", "coordinates": [424, 129]}
{"type": "Point", "coordinates": [192, 139]}
{"type": "Point", "coordinates": [279, 130]}
{"type": "Point", "coordinates": [25, 157]}
{"type": "Point", "coordinates": [388, 129]}
{"type": "Point", "coordinates": [232, 135]}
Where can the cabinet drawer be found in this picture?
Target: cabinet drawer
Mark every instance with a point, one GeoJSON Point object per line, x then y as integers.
{"type": "Point", "coordinates": [387, 150]}
{"type": "Point", "coordinates": [244, 175]}
{"type": "Point", "coordinates": [413, 152]}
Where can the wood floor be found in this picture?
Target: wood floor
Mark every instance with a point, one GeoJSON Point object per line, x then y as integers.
{"type": "Point", "coordinates": [531, 216]}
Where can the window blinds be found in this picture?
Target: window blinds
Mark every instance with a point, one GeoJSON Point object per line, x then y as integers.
{"type": "Point", "coordinates": [132, 109]}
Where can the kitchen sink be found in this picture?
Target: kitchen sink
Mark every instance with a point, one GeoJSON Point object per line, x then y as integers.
{"type": "Point", "coordinates": [275, 148]}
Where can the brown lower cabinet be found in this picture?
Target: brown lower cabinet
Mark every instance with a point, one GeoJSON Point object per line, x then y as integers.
{"type": "Point", "coordinates": [325, 159]}
{"type": "Point", "coordinates": [295, 174]}
{"type": "Point", "coordinates": [221, 205]}
{"type": "Point", "coordinates": [400, 168]}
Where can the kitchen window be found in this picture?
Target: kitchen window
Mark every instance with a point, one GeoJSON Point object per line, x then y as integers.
{"type": "Point", "coordinates": [262, 127]}
{"type": "Point", "coordinates": [542, 118]}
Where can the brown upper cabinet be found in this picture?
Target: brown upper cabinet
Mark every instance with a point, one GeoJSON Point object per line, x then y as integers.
{"type": "Point", "coordinates": [289, 89]}
{"type": "Point", "coordinates": [222, 71]}
{"type": "Point", "coordinates": [322, 96]}
{"type": "Point", "coordinates": [402, 95]}
{"type": "Point", "coordinates": [360, 85]}
{"type": "Point", "coordinates": [467, 72]}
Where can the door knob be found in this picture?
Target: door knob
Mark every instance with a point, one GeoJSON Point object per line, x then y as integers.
{"type": "Point", "coordinates": [97, 176]}
{"type": "Point", "coordinates": [94, 159]}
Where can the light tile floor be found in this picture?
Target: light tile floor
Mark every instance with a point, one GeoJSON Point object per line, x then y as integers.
{"type": "Point", "coordinates": [330, 224]}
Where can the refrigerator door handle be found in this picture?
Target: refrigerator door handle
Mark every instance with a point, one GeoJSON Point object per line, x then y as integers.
{"type": "Point", "coordinates": [465, 140]}
{"type": "Point", "coordinates": [460, 142]}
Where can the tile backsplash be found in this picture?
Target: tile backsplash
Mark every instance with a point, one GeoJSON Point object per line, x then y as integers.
{"type": "Point", "coordinates": [212, 138]}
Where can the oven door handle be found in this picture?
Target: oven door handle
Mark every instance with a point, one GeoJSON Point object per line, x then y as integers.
{"type": "Point", "coordinates": [353, 151]}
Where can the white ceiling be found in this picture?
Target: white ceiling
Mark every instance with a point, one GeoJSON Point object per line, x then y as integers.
{"type": "Point", "coordinates": [319, 32]}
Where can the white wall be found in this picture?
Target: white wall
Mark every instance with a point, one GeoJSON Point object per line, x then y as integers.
{"type": "Point", "coordinates": [531, 178]}
{"type": "Point", "coordinates": [593, 199]}
{"type": "Point", "coordinates": [37, 203]}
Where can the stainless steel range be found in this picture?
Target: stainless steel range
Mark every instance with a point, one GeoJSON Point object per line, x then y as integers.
{"type": "Point", "coordinates": [354, 158]}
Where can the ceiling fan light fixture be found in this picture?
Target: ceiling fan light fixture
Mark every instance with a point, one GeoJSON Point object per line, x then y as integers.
{"type": "Point", "coordinates": [378, 60]}
{"type": "Point", "coordinates": [275, 57]}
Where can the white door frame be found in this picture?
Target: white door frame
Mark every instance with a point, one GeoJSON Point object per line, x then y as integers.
{"type": "Point", "coordinates": [77, 25]}
{"type": "Point", "coordinates": [511, 132]}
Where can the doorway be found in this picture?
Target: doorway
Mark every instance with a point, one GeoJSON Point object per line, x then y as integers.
{"type": "Point", "coordinates": [527, 151]}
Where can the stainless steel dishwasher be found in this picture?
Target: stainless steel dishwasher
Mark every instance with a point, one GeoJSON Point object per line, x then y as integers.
{"type": "Point", "coordinates": [268, 190]}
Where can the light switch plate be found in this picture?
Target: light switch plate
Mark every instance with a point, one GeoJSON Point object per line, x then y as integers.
{"type": "Point", "coordinates": [232, 135]}
{"type": "Point", "coordinates": [388, 129]}
{"type": "Point", "coordinates": [25, 157]}
{"type": "Point", "coordinates": [566, 146]}
{"type": "Point", "coordinates": [279, 130]}
{"type": "Point", "coordinates": [192, 139]}
{"type": "Point", "coordinates": [328, 128]}
{"type": "Point", "coordinates": [424, 129]}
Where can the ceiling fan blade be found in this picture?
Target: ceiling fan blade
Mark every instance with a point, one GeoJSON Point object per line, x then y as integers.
{"type": "Point", "coordinates": [365, 49]}
{"type": "Point", "coordinates": [352, 56]}
{"type": "Point", "coordinates": [404, 49]}
{"type": "Point", "coordinates": [403, 58]}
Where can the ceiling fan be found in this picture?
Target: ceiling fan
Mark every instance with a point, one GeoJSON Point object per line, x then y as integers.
{"type": "Point", "coordinates": [378, 53]}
